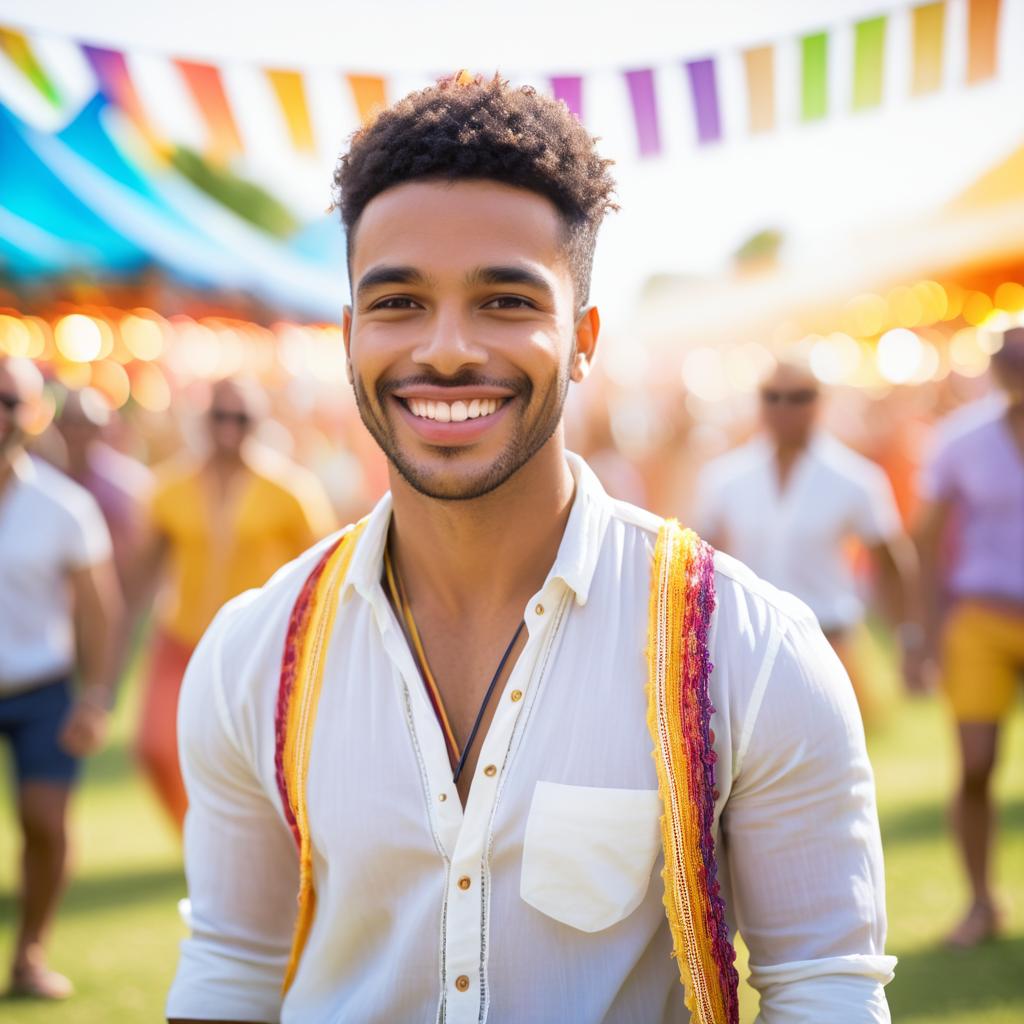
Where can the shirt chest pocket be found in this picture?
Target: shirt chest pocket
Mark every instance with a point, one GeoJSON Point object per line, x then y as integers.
{"type": "Point", "coordinates": [589, 852]}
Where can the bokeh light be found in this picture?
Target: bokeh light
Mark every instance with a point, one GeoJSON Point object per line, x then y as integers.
{"type": "Point", "coordinates": [899, 355]}
{"type": "Point", "coordinates": [78, 338]}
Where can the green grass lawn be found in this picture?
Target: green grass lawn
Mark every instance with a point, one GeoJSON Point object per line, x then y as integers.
{"type": "Point", "coordinates": [118, 930]}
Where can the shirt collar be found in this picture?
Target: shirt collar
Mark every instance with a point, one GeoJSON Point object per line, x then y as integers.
{"type": "Point", "coordinates": [574, 564]}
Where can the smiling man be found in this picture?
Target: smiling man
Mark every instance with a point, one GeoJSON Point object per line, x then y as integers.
{"type": "Point", "coordinates": [436, 728]}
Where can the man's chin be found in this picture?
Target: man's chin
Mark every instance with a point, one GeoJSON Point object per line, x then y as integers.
{"type": "Point", "coordinates": [457, 477]}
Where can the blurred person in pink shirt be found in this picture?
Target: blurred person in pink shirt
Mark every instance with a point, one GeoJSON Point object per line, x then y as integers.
{"type": "Point", "coordinates": [972, 558]}
{"type": "Point", "coordinates": [120, 484]}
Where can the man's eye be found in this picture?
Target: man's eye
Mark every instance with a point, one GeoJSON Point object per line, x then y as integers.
{"type": "Point", "coordinates": [395, 302]}
{"type": "Point", "coordinates": [509, 302]}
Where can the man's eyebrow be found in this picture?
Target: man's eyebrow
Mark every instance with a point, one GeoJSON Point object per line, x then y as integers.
{"type": "Point", "coordinates": [389, 275]}
{"type": "Point", "coordinates": [511, 275]}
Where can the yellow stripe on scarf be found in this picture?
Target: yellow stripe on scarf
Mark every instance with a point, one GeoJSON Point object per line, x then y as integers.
{"type": "Point", "coordinates": [300, 721]}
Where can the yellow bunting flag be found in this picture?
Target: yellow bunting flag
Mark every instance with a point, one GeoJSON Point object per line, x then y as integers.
{"type": "Point", "coordinates": [291, 95]}
{"type": "Point", "coordinates": [929, 30]}
{"type": "Point", "coordinates": [20, 52]}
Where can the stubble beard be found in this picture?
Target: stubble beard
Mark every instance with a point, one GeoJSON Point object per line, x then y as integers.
{"type": "Point", "coordinates": [527, 439]}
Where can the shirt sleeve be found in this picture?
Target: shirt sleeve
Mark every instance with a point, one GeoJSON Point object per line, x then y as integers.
{"type": "Point", "coordinates": [240, 860]}
{"type": "Point", "coordinates": [87, 538]}
{"type": "Point", "coordinates": [803, 845]}
{"type": "Point", "coordinates": [876, 517]}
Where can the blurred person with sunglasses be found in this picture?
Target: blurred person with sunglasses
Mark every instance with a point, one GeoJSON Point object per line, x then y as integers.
{"type": "Point", "coordinates": [971, 539]}
{"type": "Point", "coordinates": [789, 502]}
{"type": "Point", "coordinates": [59, 610]}
{"type": "Point", "coordinates": [218, 525]}
{"type": "Point", "coordinates": [120, 484]}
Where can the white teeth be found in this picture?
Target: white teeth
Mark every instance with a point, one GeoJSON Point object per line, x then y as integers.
{"type": "Point", "coordinates": [454, 412]}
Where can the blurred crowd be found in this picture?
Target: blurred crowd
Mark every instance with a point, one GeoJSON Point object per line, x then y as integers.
{"type": "Point", "coordinates": [123, 530]}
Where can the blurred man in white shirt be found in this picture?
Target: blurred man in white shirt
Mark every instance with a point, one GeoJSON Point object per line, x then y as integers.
{"type": "Point", "coordinates": [788, 503]}
{"type": "Point", "coordinates": [477, 859]}
{"type": "Point", "coordinates": [59, 604]}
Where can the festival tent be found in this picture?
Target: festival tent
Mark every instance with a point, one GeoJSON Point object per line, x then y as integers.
{"type": "Point", "coordinates": [77, 185]}
{"type": "Point", "coordinates": [979, 230]}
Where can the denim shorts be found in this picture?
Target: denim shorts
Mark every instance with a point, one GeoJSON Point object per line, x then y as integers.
{"type": "Point", "coordinates": [31, 722]}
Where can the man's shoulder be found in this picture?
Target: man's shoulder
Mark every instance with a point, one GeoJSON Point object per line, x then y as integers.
{"type": "Point", "coordinates": [50, 488]}
{"type": "Point", "coordinates": [735, 464]}
{"type": "Point", "coordinates": [968, 426]}
{"type": "Point", "coordinates": [846, 464]}
{"type": "Point", "coordinates": [740, 591]}
{"type": "Point", "coordinates": [273, 601]}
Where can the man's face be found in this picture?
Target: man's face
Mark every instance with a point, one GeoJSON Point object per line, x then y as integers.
{"type": "Point", "coordinates": [462, 337]}
{"type": "Point", "coordinates": [229, 419]}
{"type": "Point", "coordinates": [789, 405]}
{"type": "Point", "coordinates": [14, 409]}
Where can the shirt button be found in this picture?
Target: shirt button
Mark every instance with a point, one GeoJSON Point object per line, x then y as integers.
{"type": "Point", "coordinates": [516, 695]}
{"type": "Point", "coordinates": [464, 882]}
{"type": "Point", "coordinates": [539, 609]}
{"type": "Point", "coordinates": [462, 983]}
{"type": "Point", "coordinates": [442, 797]}
{"type": "Point", "coordinates": [491, 770]}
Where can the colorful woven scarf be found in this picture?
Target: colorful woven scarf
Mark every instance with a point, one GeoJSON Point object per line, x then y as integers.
{"type": "Point", "coordinates": [302, 674]}
{"type": "Point", "coordinates": [679, 715]}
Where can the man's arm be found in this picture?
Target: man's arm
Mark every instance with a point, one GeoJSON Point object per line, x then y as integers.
{"type": "Point", "coordinates": [899, 593]}
{"type": "Point", "coordinates": [240, 859]}
{"type": "Point", "coordinates": [803, 846]}
{"type": "Point", "coordinates": [930, 531]}
{"type": "Point", "coordinates": [97, 612]}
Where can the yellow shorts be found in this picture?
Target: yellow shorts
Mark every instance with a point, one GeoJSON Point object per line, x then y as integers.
{"type": "Point", "coordinates": [983, 661]}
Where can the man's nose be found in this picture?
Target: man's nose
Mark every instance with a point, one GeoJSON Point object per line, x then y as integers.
{"type": "Point", "coordinates": [448, 346]}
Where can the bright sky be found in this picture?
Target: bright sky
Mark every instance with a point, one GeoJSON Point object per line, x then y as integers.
{"type": "Point", "coordinates": [685, 212]}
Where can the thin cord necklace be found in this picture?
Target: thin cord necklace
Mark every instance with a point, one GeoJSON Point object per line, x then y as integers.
{"type": "Point", "coordinates": [401, 603]}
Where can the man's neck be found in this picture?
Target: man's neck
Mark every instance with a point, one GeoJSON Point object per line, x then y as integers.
{"type": "Point", "coordinates": [473, 557]}
{"type": "Point", "coordinates": [8, 457]}
{"type": "Point", "coordinates": [78, 463]}
{"type": "Point", "coordinates": [225, 464]}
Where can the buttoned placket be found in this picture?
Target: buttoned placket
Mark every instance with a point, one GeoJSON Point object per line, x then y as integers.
{"type": "Point", "coordinates": [462, 835]}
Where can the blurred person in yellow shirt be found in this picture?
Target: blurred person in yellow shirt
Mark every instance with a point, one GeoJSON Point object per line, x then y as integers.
{"type": "Point", "coordinates": [218, 526]}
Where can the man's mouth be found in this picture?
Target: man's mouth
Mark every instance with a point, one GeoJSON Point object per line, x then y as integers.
{"type": "Point", "coordinates": [452, 412]}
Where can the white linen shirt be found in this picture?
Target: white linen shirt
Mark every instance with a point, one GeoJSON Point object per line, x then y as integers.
{"type": "Point", "coordinates": [794, 537]}
{"type": "Point", "coordinates": [49, 526]}
{"type": "Point", "coordinates": [558, 918]}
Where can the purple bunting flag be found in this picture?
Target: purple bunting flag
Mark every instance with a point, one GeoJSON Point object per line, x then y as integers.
{"type": "Point", "coordinates": [569, 89]}
{"type": "Point", "coordinates": [705, 100]}
{"type": "Point", "coordinates": [645, 111]}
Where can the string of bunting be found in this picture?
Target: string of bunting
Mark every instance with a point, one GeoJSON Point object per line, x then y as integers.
{"type": "Point", "coordinates": [930, 36]}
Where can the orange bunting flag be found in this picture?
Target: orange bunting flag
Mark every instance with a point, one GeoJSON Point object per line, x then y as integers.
{"type": "Point", "coordinates": [760, 67]}
{"type": "Point", "coordinates": [370, 95]}
{"type": "Point", "coordinates": [982, 40]}
{"type": "Point", "coordinates": [290, 90]}
{"type": "Point", "coordinates": [204, 83]}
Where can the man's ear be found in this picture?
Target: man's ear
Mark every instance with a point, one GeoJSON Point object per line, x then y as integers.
{"type": "Point", "coordinates": [346, 333]}
{"type": "Point", "coordinates": [588, 327]}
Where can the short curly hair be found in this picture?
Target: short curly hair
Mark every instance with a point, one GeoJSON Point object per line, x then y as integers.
{"type": "Point", "coordinates": [466, 128]}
